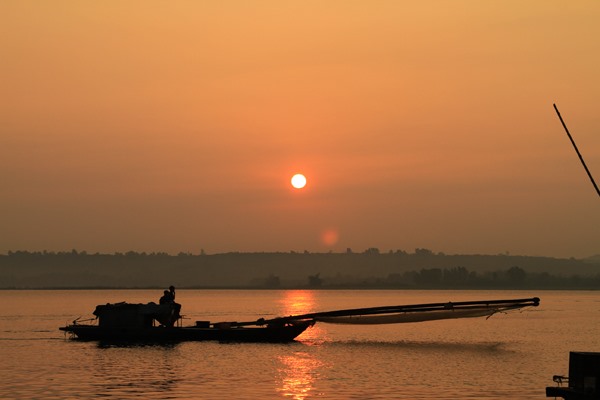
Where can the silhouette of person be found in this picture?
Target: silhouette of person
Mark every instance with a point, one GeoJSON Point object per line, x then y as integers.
{"type": "Point", "coordinates": [166, 298]}
{"type": "Point", "coordinates": [170, 299]}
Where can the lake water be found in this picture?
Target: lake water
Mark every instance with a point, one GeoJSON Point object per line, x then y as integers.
{"type": "Point", "coordinates": [508, 356]}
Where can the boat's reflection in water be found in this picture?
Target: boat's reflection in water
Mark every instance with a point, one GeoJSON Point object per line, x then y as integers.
{"type": "Point", "coordinates": [299, 369]}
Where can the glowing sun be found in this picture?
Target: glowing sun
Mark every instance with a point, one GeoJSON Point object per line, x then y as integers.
{"type": "Point", "coordinates": [298, 181]}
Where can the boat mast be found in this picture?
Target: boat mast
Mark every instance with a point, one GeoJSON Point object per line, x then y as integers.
{"type": "Point", "coordinates": [577, 150]}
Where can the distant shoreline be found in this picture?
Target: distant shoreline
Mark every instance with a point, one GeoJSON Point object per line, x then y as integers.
{"type": "Point", "coordinates": [369, 270]}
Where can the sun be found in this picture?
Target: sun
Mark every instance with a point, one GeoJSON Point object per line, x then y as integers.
{"type": "Point", "coordinates": [298, 181]}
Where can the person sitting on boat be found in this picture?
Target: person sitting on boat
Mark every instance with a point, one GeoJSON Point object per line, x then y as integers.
{"type": "Point", "coordinates": [167, 298]}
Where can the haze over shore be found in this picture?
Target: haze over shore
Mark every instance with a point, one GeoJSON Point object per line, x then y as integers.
{"type": "Point", "coordinates": [367, 269]}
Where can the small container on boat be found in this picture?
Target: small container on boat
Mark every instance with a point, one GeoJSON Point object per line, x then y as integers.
{"type": "Point", "coordinates": [202, 324]}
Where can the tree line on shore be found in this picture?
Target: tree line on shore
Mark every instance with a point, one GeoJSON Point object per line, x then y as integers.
{"type": "Point", "coordinates": [461, 278]}
{"type": "Point", "coordinates": [422, 269]}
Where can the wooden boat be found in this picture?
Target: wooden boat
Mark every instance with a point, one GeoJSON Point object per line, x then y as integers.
{"type": "Point", "coordinates": [268, 334]}
{"type": "Point", "coordinates": [156, 323]}
{"type": "Point", "coordinates": [153, 322]}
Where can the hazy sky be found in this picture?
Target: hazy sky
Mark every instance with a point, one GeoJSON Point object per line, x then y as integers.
{"type": "Point", "coordinates": [177, 125]}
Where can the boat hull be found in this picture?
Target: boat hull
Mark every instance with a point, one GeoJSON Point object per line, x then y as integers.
{"type": "Point", "coordinates": [267, 334]}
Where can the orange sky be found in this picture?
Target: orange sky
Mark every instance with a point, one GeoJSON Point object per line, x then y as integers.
{"type": "Point", "coordinates": [176, 126]}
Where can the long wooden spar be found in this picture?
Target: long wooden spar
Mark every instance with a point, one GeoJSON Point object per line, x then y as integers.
{"type": "Point", "coordinates": [501, 305]}
{"type": "Point", "coordinates": [577, 150]}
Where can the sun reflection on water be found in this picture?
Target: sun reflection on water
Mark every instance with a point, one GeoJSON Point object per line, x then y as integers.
{"type": "Point", "coordinates": [298, 373]}
{"type": "Point", "coordinates": [297, 302]}
{"type": "Point", "coordinates": [299, 370]}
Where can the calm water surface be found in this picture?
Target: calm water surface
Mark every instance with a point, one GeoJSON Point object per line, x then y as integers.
{"type": "Point", "coordinates": [510, 356]}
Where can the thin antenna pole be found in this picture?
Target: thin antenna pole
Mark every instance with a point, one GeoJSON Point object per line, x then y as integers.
{"type": "Point", "coordinates": [577, 150]}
